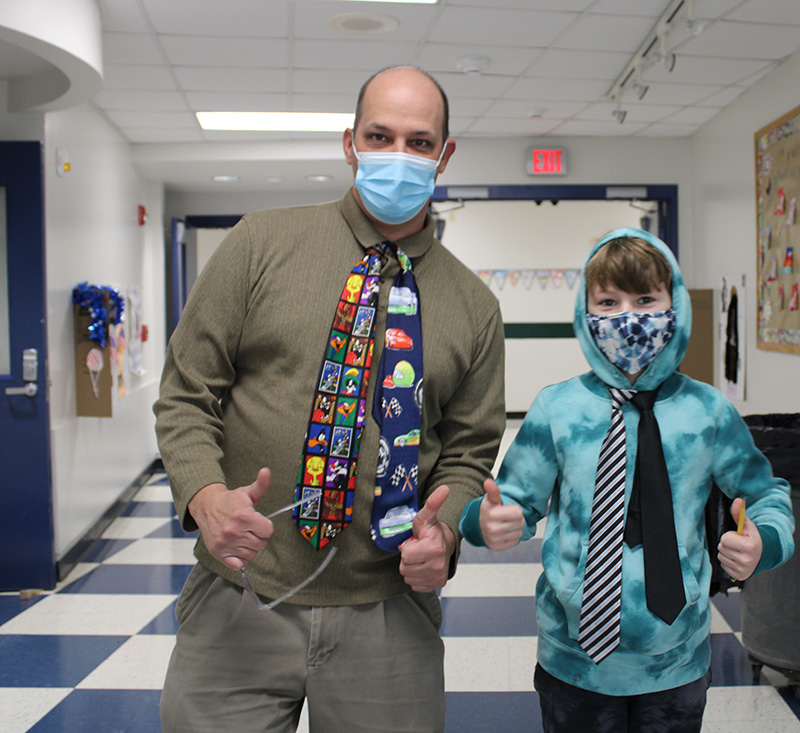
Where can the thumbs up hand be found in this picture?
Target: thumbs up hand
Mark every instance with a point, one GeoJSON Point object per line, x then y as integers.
{"type": "Point", "coordinates": [425, 557]}
{"type": "Point", "coordinates": [232, 528]}
{"type": "Point", "coordinates": [739, 554]}
{"type": "Point", "coordinates": [501, 525]}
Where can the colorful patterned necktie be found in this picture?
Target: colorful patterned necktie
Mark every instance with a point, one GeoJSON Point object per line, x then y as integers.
{"type": "Point", "coordinates": [397, 408]}
{"type": "Point", "coordinates": [327, 477]}
{"type": "Point", "coordinates": [598, 633]}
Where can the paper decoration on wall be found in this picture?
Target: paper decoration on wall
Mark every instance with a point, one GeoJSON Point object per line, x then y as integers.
{"type": "Point", "coordinates": [781, 297]}
{"type": "Point", "coordinates": [97, 310]}
{"type": "Point", "coordinates": [781, 202]}
{"type": "Point", "coordinates": [135, 332]}
{"type": "Point", "coordinates": [787, 262]}
{"type": "Point", "coordinates": [792, 205]}
{"type": "Point", "coordinates": [732, 351]}
{"type": "Point", "coordinates": [94, 363]}
{"type": "Point", "coordinates": [773, 270]}
{"type": "Point", "coordinates": [793, 301]}
{"type": "Point", "coordinates": [526, 277]}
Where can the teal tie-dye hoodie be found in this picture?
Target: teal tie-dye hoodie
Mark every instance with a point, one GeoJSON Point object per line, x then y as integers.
{"type": "Point", "coordinates": [553, 460]}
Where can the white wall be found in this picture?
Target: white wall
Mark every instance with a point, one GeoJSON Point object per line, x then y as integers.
{"type": "Point", "coordinates": [92, 234]}
{"type": "Point", "coordinates": [723, 232]}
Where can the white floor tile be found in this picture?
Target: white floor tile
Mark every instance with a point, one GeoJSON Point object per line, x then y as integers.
{"type": "Point", "coordinates": [735, 708]}
{"type": "Point", "coordinates": [133, 528]}
{"type": "Point", "coordinates": [156, 551]}
{"type": "Point", "coordinates": [139, 664]}
{"type": "Point", "coordinates": [154, 492]}
{"type": "Point", "coordinates": [489, 664]}
{"type": "Point", "coordinates": [718, 623]}
{"type": "Point", "coordinates": [497, 580]}
{"type": "Point", "coordinates": [24, 706]}
{"type": "Point", "coordinates": [81, 614]}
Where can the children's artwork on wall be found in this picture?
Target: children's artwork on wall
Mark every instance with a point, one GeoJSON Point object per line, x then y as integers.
{"type": "Point", "coordinates": [544, 277]}
{"type": "Point", "coordinates": [135, 328]}
{"type": "Point", "coordinates": [777, 153]}
{"type": "Point", "coordinates": [97, 311]}
{"type": "Point", "coordinates": [732, 334]}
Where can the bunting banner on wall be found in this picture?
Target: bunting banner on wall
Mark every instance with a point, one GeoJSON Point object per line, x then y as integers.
{"type": "Point", "coordinates": [543, 276]}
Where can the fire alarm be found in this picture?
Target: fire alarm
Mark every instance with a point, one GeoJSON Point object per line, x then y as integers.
{"type": "Point", "coordinates": [142, 216]}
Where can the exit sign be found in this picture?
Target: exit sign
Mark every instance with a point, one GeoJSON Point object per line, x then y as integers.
{"type": "Point", "coordinates": [546, 162]}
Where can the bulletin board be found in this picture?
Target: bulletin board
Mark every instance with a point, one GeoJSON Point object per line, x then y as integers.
{"type": "Point", "coordinates": [777, 158]}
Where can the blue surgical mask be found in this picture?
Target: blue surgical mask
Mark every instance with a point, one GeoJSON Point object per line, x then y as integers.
{"type": "Point", "coordinates": [631, 341]}
{"type": "Point", "coordinates": [395, 186]}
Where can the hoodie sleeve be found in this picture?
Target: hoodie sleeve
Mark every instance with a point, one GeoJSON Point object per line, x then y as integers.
{"type": "Point", "coordinates": [741, 470]}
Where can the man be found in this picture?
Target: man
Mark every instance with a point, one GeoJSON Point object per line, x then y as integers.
{"type": "Point", "coordinates": [359, 640]}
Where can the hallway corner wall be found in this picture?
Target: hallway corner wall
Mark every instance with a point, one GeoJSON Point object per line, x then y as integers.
{"type": "Point", "coordinates": [93, 234]}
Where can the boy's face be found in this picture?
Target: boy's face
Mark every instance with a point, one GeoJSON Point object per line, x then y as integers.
{"type": "Point", "coordinates": [608, 300]}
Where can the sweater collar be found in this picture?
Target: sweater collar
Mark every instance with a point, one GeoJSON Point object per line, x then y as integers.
{"type": "Point", "coordinates": [414, 246]}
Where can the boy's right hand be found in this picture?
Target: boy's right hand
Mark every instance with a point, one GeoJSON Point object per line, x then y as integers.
{"type": "Point", "coordinates": [501, 525]}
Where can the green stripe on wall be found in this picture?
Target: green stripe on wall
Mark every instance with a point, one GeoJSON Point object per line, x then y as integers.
{"type": "Point", "coordinates": [539, 331]}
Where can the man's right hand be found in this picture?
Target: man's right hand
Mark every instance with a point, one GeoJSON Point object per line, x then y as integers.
{"type": "Point", "coordinates": [232, 528]}
{"type": "Point", "coordinates": [501, 525]}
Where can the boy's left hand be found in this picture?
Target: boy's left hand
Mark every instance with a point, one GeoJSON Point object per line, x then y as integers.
{"type": "Point", "coordinates": [739, 554]}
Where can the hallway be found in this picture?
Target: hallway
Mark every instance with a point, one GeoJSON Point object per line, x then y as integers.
{"type": "Point", "coordinates": [91, 655]}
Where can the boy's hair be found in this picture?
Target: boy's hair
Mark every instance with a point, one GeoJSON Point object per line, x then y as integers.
{"type": "Point", "coordinates": [629, 263]}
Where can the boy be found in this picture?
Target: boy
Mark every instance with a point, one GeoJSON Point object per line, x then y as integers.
{"type": "Point", "coordinates": [622, 604]}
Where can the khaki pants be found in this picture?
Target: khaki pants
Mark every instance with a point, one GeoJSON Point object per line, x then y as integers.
{"type": "Point", "coordinates": [373, 667]}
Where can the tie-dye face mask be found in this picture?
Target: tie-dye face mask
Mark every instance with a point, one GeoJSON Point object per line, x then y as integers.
{"type": "Point", "coordinates": [631, 341]}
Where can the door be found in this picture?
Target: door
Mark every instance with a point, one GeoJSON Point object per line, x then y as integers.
{"type": "Point", "coordinates": [26, 510]}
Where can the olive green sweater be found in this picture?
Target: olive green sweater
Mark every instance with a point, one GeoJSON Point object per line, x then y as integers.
{"type": "Point", "coordinates": [241, 368]}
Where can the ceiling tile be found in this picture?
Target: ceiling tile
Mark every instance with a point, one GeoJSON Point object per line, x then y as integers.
{"type": "Point", "coordinates": [238, 102]}
{"type": "Point", "coordinates": [217, 79]}
{"type": "Point", "coordinates": [164, 120]}
{"type": "Point", "coordinates": [564, 89]}
{"type": "Point", "coordinates": [226, 51]}
{"type": "Point", "coordinates": [515, 27]}
{"type": "Point", "coordinates": [211, 17]}
{"type": "Point", "coordinates": [503, 60]}
{"type": "Point", "coordinates": [344, 54]}
{"type": "Point", "coordinates": [780, 12]}
{"type": "Point", "coordinates": [144, 78]}
{"type": "Point", "coordinates": [729, 39]}
{"type": "Point", "coordinates": [573, 64]}
{"type": "Point", "coordinates": [606, 33]}
{"type": "Point", "coordinates": [131, 48]}
{"type": "Point", "coordinates": [154, 101]}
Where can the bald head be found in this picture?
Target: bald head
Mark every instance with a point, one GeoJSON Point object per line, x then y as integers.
{"type": "Point", "coordinates": [409, 77]}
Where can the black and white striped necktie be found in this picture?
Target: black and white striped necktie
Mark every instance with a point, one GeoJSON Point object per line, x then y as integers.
{"type": "Point", "coordinates": [600, 610]}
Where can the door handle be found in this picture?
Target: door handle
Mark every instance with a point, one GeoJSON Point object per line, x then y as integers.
{"type": "Point", "coordinates": [29, 390]}
{"type": "Point", "coordinates": [30, 370]}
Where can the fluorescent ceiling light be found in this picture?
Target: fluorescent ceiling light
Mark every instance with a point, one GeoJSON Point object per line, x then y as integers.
{"type": "Point", "coordinates": [276, 121]}
{"type": "Point", "coordinates": [398, 2]}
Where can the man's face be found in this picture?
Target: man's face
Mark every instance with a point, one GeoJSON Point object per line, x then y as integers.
{"type": "Point", "coordinates": [401, 112]}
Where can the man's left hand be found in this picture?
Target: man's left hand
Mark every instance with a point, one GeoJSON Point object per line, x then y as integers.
{"type": "Point", "coordinates": [425, 557]}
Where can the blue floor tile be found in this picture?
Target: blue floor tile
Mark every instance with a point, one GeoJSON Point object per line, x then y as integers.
{"type": "Point", "coordinates": [172, 529]}
{"type": "Point", "coordinates": [164, 623]}
{"type": "Point", "coordinates": [10, 606]}
{"type": "Point", "coordinates": [159, 579]}
{"type": "Point", "coordinates": [730, 665]}
{"type": "Point", "coordinates": [514, 616]}
{"type": "Point", "coordinates": [52, 661]}
{"type": "Point", "coordinates": [148, 509]}
{"type": "Point", "coordinates": [104, 711]}
{"type": "Point", "coordinates": [493, 712]}
{"type": "Point", "coordinates": [103, 549]}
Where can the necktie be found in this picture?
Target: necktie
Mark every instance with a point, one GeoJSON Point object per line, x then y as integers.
{"type": "Point", "coordinates": [598, 633]}
{"type": "Point", "coordinates": [651, 520]}
{"type": "Point", "coordinates": [397, 408]}
{"type": "Point", "coordinates": [327, 476]}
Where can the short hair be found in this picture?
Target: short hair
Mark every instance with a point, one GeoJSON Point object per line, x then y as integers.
{"type": "Point", "coordinates": [629, 263]}
{"type": "Point", "coordinates": [445, 103]}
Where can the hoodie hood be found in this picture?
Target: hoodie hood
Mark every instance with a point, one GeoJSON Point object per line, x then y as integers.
{"type": "Point", "coordinates": [670, 356]}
